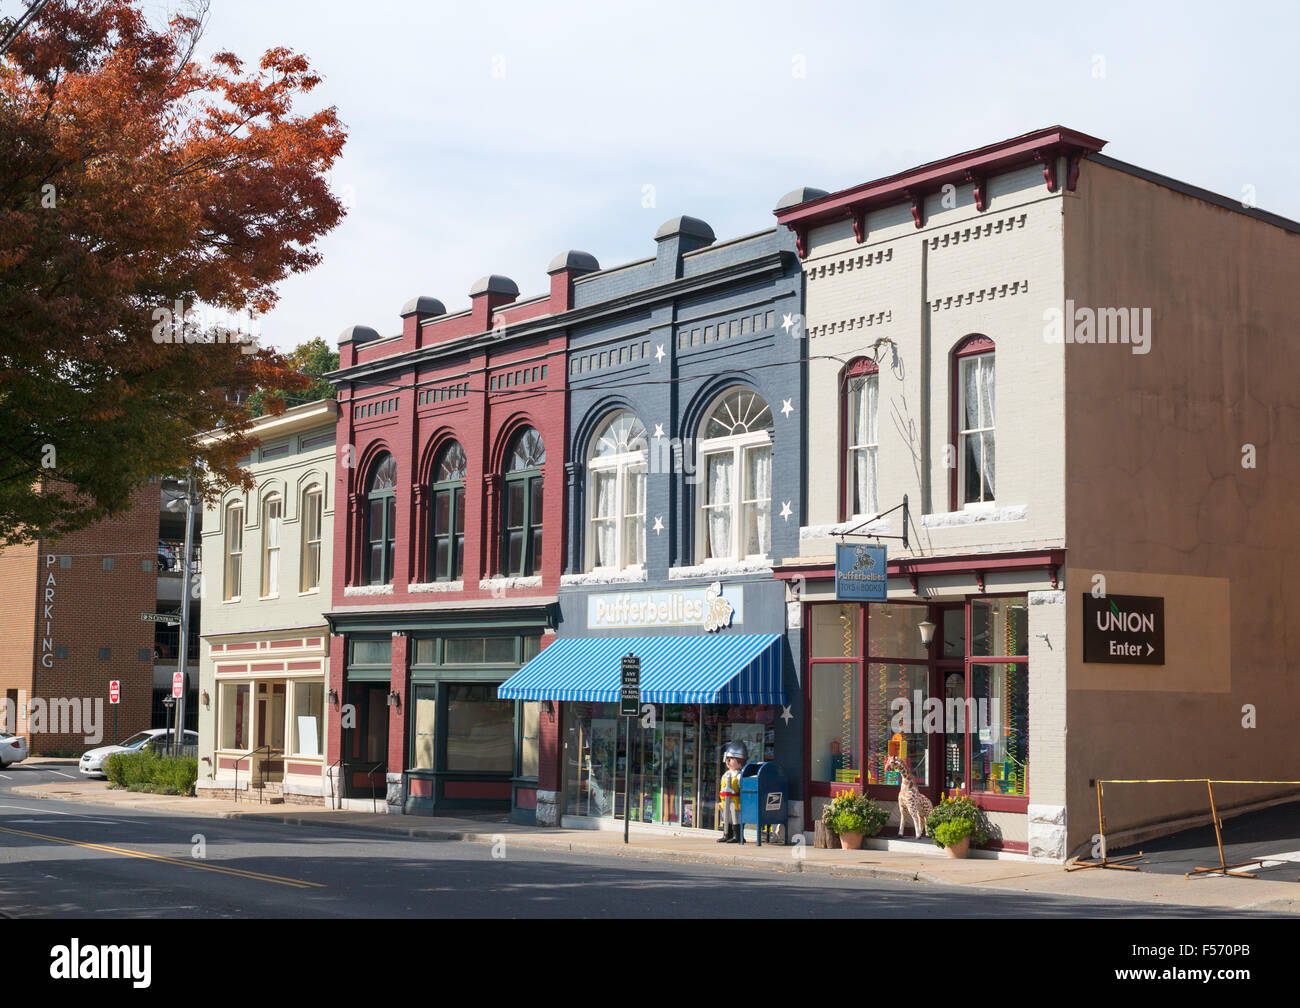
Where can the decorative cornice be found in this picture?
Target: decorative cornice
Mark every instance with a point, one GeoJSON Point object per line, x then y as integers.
{"type": "Point", "coordinates": [975, 167]}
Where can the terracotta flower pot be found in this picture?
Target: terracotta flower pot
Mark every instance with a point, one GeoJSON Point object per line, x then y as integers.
{"type": "Point", "coordinates": [851, 841]}
{"type": "Point", "coordinates": [958, 850]}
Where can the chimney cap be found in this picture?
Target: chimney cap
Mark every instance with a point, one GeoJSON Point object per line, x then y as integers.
{"type": "Point", "coordinates": [358, 334]}
{"type": "Point", "coordinates": [494, 284]}
{"type": "Point", "coordinates": [575, 261]}
{"type": "Point", "coordinates": [794, 197]}
{"type": "Point", "coordinates": [423, 305]}
{"type": "Point", "coordinates": [692, 226]}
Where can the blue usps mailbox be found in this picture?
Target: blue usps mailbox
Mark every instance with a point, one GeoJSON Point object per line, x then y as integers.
{"type": "Point", "coordinates": [763, 798]}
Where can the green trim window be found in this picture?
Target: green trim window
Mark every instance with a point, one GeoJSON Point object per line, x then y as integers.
{"type": "Point", "coordinates": [381, 520]}
{"type": "Point", "coordinates": [521, 546]}
{"type": "Point", "coordinates": [447, 516]}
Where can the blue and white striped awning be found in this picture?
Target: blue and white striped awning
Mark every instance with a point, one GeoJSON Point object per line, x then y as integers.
{"type": "Point", "coordinates": [699, 669]}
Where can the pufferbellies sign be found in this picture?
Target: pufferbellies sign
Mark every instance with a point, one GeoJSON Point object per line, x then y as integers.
{"type": "Point", "coordinates": [861, 572]}
{"type": "Point", "coordinates": [709, 609]}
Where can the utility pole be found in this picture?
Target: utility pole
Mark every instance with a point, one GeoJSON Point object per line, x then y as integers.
{"type": "Point", "coordinates": [185, 610]}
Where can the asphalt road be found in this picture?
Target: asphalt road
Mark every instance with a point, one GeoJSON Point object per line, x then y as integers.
{"type": "Point", "coordinates": [62, 859]}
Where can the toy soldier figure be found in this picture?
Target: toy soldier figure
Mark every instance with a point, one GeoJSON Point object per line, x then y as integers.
{"type": "Point", "coordinates": [735, 756]}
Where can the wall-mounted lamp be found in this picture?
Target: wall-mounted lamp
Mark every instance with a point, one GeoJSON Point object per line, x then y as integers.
{"type": "Point", "coordinates": [549, 707]}
{"type": "Point", "coordinates": [334, 697]}
{"type": "Point", "coordinates": [393, 699]}
{"type": "Point", "coordinates": [927, 629]}
{"type": "Point", "coordinates": [207, 700]}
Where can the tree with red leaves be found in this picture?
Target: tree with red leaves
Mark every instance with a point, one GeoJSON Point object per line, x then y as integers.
{"type": "Point", "coordinates": [147, 203]}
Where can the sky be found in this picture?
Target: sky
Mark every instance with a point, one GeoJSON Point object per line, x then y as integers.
{"type": "Point", "coordinates": [486, 138]}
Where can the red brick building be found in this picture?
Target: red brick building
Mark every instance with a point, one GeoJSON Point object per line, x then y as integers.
{"type": "Point", "coordinates": [70, 623]}
{"type": "Point", "coordinates": [448, 546]}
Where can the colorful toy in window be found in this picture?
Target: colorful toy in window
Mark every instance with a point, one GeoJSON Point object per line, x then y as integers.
{"type": "Point", "coordinates": [897, 750]}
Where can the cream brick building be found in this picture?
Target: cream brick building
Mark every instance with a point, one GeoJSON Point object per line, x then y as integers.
{"type": "Point", "coordinates": [1154, 461]}
{"type": "Point", "coordinates": [265, 654]}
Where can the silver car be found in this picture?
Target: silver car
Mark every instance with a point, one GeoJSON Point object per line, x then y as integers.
{"type": "Point", "coordinates": [12, 749]}
{"type": "Point", "coordinates": [92, 763]}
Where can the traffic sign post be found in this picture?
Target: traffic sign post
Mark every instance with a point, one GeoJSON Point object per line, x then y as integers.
{"type": "Point", "coordinates": [178, 685]}
{"type": "Point", "coordinates": [114, 698]}
{"type": "Point", "coordinates": [629, 707]}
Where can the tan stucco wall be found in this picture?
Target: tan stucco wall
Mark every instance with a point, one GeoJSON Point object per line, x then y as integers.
{"type": "Point", "coordinates": [1158, 500]}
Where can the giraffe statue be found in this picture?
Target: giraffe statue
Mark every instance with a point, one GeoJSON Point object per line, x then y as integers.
{"type": "Point", "coordinates": [910, 800]}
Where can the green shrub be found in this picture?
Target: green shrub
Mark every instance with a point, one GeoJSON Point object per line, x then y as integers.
{"type": "Point", "coordinates": [955, 809]}
{"type": "Point", "coordinates": [854, 813]}
{"type": "Point", "coordinates": [953, 832]}
{"type": "Point", "coordinates": [144, 771]}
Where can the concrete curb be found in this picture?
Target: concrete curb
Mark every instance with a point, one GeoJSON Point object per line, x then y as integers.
{"type": "Point", "coordinates": [633, 851]}
{"type": "Point", "coordinates": [514, 834]}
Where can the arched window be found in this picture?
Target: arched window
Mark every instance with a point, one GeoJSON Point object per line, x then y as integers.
{"type": "Point", "coordinates": [617, 463]}
{"type": "Point", "coordinates": [234, 551]}
{"type": "Point", "coordinates": [521, 545]}
{"type": "Point", "coordinates": [973, 379]}
{"type": "Point", "coordinates": [735, 465]}
{"type": "Point", "coordinates": [861, 439]}
{"type": "Point", "coordinates": [381, 520]}
{"type": "Point", "coordinates": [447, 515]}
{"type": "Point", "coordinates": [313, 504]}
{"type": "Point", "coordinates": [272, 512]}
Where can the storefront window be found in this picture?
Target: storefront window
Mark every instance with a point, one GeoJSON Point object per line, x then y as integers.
{"type": "Point", "coordinates": [372, 652]}
{"type": "Point", "coordinates": [836, 723]}
{"type": "Point", "coordinates": [480, 729]}
{"type": "Point", "coordinates": [426, 714]}
{"type": "Point", "coordinates": [886, 684]}
{"type": "Point", "coordinates": [893, 631]}
{"type": "Point", "coordinates": [999, 627]}
{"type": "Point", "coordinates": [674, 764]}
{"type": "Point", "coordinates": [1000, 746]}
{"type": "Point", "coordinates": [308, 717]}
{"type": "Point", "coordinates": [479, 651]}
{"type": "Point", "coordinates": [234, 716]}
{"type": "Point", "coordinates": [530, 736]}
{"type": "Point", "coordinates": [835, 631]}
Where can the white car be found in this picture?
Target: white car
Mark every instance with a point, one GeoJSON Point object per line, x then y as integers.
{"type": "Point", "coordinates": [92, 763]}
{"type": "Point", "coordinates": [12, 749]}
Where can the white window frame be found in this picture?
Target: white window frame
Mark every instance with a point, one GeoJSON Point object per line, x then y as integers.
{"type": "Point", "coordinates": [739, 446]}
{"type": "Point", "coordinates": [271, 554]}
{"type": "Point", "coordinates": [979, 360]}
{"type": "Point", "coordinates": [865, 449]}
{"type": "Point", "coordinates": [312, 497]}
{"type": "Point", "coordinates": [234, 565]}
{"type": "Point", "coordinates": [622, 465]}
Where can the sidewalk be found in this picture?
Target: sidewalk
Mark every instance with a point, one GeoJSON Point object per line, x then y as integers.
{"type": "Point", "coordinates": [1016, 876]}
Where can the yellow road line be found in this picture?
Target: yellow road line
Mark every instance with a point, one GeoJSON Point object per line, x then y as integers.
{"type": "Point", "coordinates": [124, 852]}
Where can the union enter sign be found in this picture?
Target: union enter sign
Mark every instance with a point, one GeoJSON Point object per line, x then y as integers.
{"type": "Point", "coordinates": [1124, 629]}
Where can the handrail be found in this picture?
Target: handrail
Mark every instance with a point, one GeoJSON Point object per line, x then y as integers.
{"type": "Point", "coordinates": [381, 763]}
{"type": "Point", "coordinates": [250, 771]}
{"type": "Point", "coordinates": [343, 764]}
{"type": "Point", "coordinates": [337, 763]}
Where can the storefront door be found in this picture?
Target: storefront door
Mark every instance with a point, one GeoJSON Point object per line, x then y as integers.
{"type": "Point", "coordinates": [365, 743]}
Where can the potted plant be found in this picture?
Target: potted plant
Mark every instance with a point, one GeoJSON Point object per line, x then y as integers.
{"type": "Point", "coordinates": [954, 810]}
{"type": "Point", "coordinates": [954, 837]}
{"type": "Point", "coordinates": [853, 816]}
